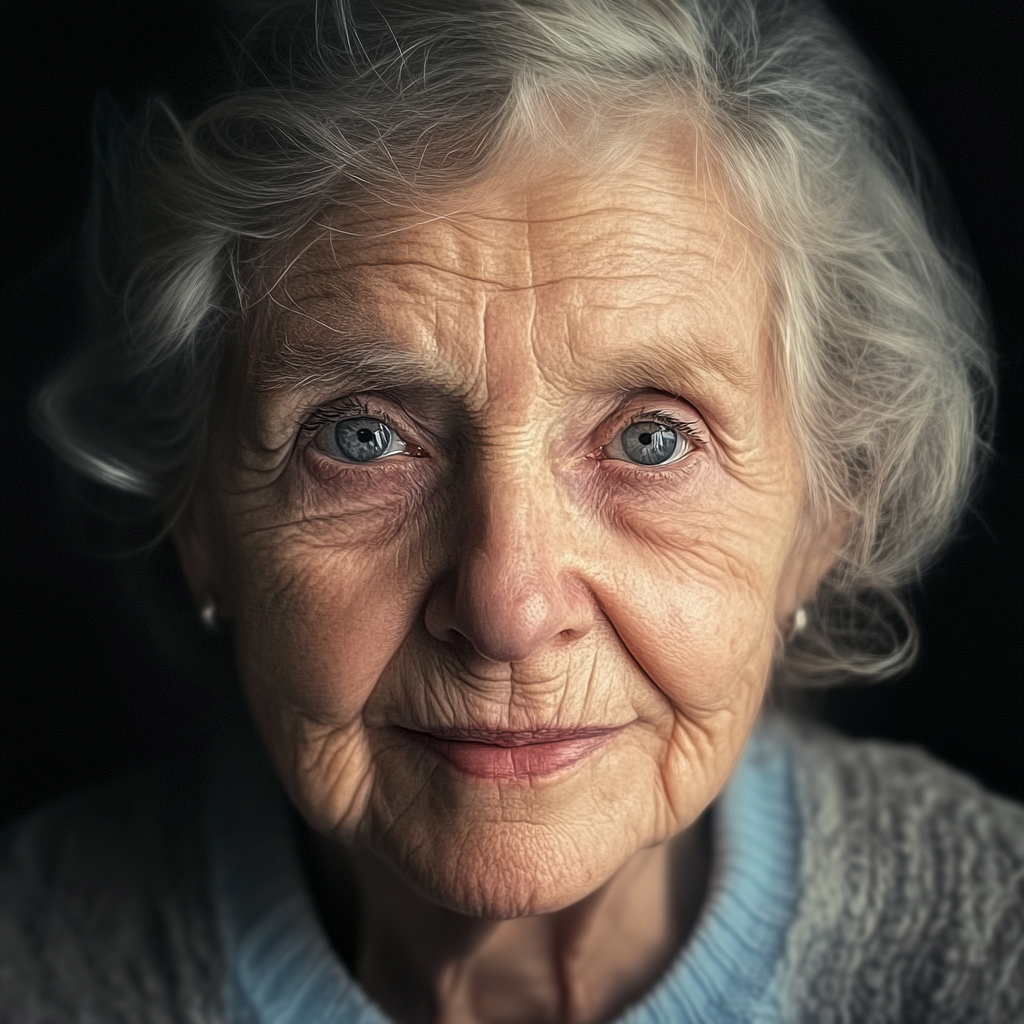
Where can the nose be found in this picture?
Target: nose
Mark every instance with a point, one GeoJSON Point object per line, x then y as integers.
{"type": "Point", "coordinates": [509, 593]}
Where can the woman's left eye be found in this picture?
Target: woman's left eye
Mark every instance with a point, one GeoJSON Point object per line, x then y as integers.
{"type": "Point", "coordinates": [649, 443]}
{"type": "Point", "coordinates": [359, 440]}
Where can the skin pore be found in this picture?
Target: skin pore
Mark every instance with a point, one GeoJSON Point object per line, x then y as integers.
{"type": "Point", "coordinates": [503, 669]}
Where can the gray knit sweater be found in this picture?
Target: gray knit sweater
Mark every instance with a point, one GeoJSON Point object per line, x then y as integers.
{"type": "Point", "coordinates": [910, 903]}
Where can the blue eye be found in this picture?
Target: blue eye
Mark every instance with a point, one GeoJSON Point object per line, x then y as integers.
{"type": "Point", "coordinates": [362, 439]}
{"type": "Point", "coordinates": [648, 443]}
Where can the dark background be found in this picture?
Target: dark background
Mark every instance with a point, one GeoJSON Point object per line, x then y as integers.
{"type": "Point", "coordinates": [87, 693]}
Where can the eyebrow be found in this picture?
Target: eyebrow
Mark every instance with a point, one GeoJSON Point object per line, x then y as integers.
{"type": "Point", "coordinates": [691, 365]}
{"type": "Point", "coordinates": [357, 361]}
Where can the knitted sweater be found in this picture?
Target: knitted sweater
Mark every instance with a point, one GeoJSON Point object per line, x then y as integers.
{"type": "Point", "coordinates": [853, 882]}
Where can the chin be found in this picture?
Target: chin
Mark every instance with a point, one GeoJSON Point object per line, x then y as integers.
{"type": "Point", "coordinates": [507, 870]}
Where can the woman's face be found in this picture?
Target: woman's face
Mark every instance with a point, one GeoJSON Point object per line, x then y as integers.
{"type": "Point", "coordinates": [504, 506]}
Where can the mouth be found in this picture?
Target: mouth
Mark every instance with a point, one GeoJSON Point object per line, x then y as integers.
{"type": "Point", "coordinates": [510, 755]}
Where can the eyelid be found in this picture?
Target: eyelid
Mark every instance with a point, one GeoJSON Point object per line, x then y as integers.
{"type": "Point", "coordinates": [692, 428]}
{"type": "Point", "coordinates": [685, 427]}
{"type": "Point", "coordinates": [651, 403]}
{"type": "Point", "coordinates": [346, 409]}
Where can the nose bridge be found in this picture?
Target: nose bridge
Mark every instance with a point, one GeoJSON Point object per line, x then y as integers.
{"type": "Point", "coordinates": [512, 528]}
{"type": "Point", "coordinates": [512, 493]}
{"type": "Point", "coordinates": [512, 592]}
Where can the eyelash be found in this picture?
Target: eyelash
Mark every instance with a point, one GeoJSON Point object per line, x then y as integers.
{"type": "Point", "coordinates": [344, 410]}
{"type": "Point", "coordinates": [685, 427]}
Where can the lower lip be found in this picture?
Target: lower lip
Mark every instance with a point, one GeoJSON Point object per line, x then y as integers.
{"type": "Point", "coordinates": [520, 760]}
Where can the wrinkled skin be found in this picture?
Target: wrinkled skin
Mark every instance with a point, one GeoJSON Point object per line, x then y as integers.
{"type": "Point", "coordinates": [510, 569]}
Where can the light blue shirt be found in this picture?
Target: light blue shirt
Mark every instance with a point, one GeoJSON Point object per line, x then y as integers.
{"type": "Point", "coordinates": [281, 968]}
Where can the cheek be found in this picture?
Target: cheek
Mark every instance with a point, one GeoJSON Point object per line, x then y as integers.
{"type": "Point", "coordinates": [702, 632]}
{"type": "Point", "coordinates": [317, 623]}
{"type": "Point", "coordinates": [691, 591]}
{"type": "Point", "coordinates": [319, 618]}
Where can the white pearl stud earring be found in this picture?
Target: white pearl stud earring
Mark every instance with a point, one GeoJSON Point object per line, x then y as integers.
{"type": "Point", "coordinates": [208, 614]}
{"type": "Point", "coordinates": [797, 623]}
{"type": "Point", "coordinates": [800, 619]}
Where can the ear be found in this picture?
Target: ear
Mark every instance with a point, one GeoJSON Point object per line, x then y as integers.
{"type": "Point", "coordinates": [193, 532]}
{"type": "Point", "coordinates": [814, 553]}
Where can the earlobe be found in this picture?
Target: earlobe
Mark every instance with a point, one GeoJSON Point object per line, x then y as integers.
{"type": "Point", "coordinates": [812, 561]}
{"type": "Point", "coordinates": [818, 562]}
{"type": "Point", "coordinates": [191, 535]}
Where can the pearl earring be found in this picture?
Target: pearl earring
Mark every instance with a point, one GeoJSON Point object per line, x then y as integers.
{"type": "Point", "coordinates": [208, 614]}
{"type": "Point", "coordinates": [797, 623]}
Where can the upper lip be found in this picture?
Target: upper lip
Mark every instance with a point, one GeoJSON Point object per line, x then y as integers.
{"type": "Point", "coordinates": [517, 737]}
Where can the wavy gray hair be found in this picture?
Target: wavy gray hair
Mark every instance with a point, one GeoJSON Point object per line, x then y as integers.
{"type": "Point", "coordinates": [878, 333]}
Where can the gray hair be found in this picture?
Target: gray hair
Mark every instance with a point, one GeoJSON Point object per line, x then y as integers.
{"type": "Point", "coordinates": [879, 338]}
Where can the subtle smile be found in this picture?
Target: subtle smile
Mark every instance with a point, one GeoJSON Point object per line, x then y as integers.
{"type": "Point", "coordinates": [516, 754]}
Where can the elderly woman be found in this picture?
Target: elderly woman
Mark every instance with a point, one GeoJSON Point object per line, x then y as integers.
{"type": "Point", "coordinates": [528, 387]}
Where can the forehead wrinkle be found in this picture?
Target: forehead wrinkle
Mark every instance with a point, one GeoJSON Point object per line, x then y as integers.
{"type": "Point", "coordinates": [641, 240]}
{"type": "Point", "coordinates": [427, 266]}
{"type": "Point", "coordinates": [629, 235]}
{"type": "Point", "coordinates": [357, 357]}
{"type": "Point", "coordinates": [629, 231]}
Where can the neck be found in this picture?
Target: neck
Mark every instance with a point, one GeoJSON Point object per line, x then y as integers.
{"type": "Point", "coordinates": [425, 964]}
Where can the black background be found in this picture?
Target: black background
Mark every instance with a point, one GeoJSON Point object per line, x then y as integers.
{"type": "Point", "coordinates": [85, 693]}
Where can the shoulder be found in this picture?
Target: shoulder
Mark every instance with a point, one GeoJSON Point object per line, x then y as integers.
{"type": "Point", "coordinates": [103, 906]}
{"type": "Point", "coordinates": [912, 886]}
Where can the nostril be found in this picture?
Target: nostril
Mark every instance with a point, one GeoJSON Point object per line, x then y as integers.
{"type": "Point", "coordinates": [505, 624]}
{"type": "Point", "coordinates": [505, 602]}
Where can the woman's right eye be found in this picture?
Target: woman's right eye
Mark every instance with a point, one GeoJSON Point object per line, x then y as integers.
{"type": "Point", "coordinates": [359, 440]}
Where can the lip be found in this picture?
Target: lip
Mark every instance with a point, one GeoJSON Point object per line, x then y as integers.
{"type": "Point", "coordinates": [503, 755]}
